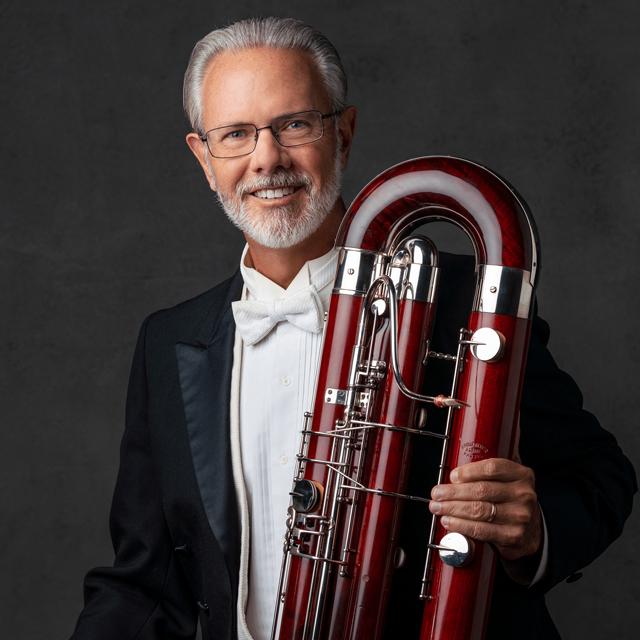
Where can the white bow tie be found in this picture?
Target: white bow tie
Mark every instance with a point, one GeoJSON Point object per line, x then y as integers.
{"type": "Point", "coordinates": [256, 318]}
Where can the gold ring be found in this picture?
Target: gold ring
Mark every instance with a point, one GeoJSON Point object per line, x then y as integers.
{"type": "Point", "coordinates": [492, 515]}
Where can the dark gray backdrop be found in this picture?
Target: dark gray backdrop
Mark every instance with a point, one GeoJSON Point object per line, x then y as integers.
{"type": "Point", "coordinates": [105, 218]}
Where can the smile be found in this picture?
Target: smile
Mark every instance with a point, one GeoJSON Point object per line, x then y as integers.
{"type": "Point", "coordinates": [272, 194]}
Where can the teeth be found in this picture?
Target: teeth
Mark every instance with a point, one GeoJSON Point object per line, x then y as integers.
{"type": "Point", "coordinates": [274, 193]}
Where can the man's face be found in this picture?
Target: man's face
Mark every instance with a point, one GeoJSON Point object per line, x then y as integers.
{"type": "Point", "coordinates": [255, 86]}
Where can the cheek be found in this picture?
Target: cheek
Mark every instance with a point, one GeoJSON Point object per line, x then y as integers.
{"type": "Point", "coordinates": [227, 178]}
{"type": "Point", "coordinates": [318, 165]}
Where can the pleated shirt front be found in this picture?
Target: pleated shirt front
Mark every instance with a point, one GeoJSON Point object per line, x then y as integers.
{"type": "Point", "coordinates": [276, 386]}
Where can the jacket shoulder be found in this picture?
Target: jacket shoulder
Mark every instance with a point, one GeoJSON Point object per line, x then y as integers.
{"type": "Point", "coordinates": [190, 319]}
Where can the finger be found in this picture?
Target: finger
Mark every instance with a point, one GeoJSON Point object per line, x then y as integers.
{"type": "Point", "coordinates": [483, 491]}
{"type": "Point", "coordinates": [499, 469]}
{"type": "Point", "coordinates": [469, 510]}
{"type": "Point", "coordinates": [502, 535]}
{"type": "Point", "coordinates": [505, 513]}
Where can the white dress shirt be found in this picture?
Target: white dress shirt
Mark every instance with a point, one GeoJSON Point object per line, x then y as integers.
{"type": "Point", "coordinates": [276, 381]}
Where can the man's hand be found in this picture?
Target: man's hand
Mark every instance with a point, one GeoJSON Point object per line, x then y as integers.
{"type": "Point", "coordinates": [494, 501]}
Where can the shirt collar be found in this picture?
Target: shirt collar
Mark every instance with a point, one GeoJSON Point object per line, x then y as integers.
{"type": "Point", "coordinates": [320, 272]}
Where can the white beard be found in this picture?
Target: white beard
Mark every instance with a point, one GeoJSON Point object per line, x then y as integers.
{"type": "Point", "coordinates": [289, 225]}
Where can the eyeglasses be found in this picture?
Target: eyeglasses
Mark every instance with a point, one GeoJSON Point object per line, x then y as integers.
{"type": "Point", "coordinates": [290, 130]}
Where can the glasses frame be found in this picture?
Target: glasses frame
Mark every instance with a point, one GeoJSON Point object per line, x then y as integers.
{"type": "Point", "coordinates": [323, 116]}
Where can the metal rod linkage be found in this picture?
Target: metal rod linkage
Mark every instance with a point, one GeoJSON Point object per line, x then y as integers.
{"type": "Point", "coordinates": [390, 494]}
{"type": "Point", "coordinates": [425, 583]}
{"type": "Point", "coordinates": [363, 424]}
{"type": "Point", "coordinates": [439, 401]}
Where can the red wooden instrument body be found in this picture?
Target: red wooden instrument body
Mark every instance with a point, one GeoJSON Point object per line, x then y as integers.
{"type": "Point", "coordinates": [341, 549]}
{"type": "Point", "coordinates": [487, 428]}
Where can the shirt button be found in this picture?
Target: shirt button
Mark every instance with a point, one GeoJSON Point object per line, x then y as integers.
{"type": "Point", "coordinates": [286, 381]}
{"type": "Point", "coordinates": [284, 459]}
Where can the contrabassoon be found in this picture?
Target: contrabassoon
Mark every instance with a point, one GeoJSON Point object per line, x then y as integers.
{"type": "Point", "coordinates": [343, 530]}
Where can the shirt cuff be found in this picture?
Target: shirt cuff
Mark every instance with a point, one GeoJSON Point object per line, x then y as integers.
{"type": "Point", "coordinates": [544, 556]}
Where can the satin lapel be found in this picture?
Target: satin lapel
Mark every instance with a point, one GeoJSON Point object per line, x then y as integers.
{"type": "Point", "coordinates": [205, 366]}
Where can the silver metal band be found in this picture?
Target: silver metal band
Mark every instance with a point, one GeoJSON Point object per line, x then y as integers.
{"type": "Point", "coordinates": [415, 281]}
{"type": "Point", "coordinates": [356, 270]}
{"type": "Point", "coordinates": [414, 269]}
{"type": "Point", "coordinates": [503, 290]}
{"type": "Point", "coordinates": [420, 283]}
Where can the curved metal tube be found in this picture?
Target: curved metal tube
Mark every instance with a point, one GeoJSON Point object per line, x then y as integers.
{"type": "Point", "coordinates": [439, 401]}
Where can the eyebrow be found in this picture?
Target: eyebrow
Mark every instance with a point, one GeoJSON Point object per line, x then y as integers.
{"type": "Point", "coordinates": [282, 115]}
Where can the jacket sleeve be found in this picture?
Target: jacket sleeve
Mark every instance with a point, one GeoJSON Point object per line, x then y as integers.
{"type": "Point", "coordinates": [143, 595]}
{"type": "Point", "coordinates": [584, 482]}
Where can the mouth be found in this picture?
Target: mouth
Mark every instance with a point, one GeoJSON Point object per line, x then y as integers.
{"type": "Point", "coordinates": [275, 195]}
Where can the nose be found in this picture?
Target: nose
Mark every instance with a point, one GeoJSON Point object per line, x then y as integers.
{"type": "Point", "coordinates": [269, 155]}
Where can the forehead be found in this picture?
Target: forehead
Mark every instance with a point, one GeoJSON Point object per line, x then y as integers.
{"type": "Point", "coordinates": [255, 85]}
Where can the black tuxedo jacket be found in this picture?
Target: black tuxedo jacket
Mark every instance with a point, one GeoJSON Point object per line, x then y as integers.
{"type": "Point", "coordinates": [174, 519]}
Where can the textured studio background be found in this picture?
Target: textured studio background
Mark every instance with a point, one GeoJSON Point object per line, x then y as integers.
{"type": "Point", "coordinates": [105, 217]}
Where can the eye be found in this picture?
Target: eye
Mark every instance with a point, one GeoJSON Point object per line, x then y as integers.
{"type": "Point", "coordinates": [299, 124]}
{"type": "Point", "coordinates": [235, 134]}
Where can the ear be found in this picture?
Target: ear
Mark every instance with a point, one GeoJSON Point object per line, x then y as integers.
{"type": "Point", "coordinates": [347, 127]}
{"type": "Point", "coordinates": [200, 151]}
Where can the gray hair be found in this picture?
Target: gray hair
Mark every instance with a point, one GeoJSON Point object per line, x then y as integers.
{"type": "Point", "coordinates": [280, 33]}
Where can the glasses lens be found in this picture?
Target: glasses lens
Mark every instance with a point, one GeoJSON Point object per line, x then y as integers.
{"type": "Point", "coordinates": [298, 128]}
{"type": "Point", "coordinates": [236, 140]}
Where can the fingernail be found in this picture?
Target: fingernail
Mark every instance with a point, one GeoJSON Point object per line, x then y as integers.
{"type": "Point", "coordinates": [437, 493]}
{"type": "Point", "coordinates": [445, 521]}
{"type": "Point", "coordinates": [435, 507]}
{"type": "Point", "coordinates": [453, 476]}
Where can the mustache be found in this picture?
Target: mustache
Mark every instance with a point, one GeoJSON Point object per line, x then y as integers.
{"type": "Point", "coordinates": [274, 181]}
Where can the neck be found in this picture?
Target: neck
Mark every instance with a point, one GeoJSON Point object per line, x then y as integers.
{"type": "Point", "coordinates": [282, 265]}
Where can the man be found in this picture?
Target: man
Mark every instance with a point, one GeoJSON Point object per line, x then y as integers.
{"type": "Point", "coordinates": [219, 383]}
